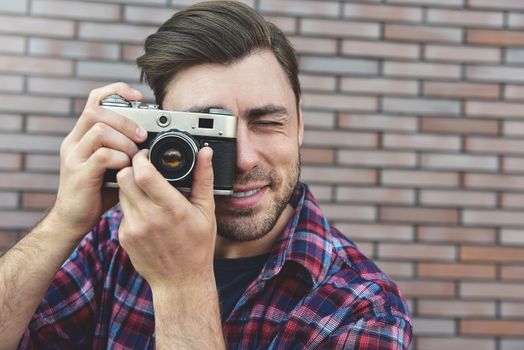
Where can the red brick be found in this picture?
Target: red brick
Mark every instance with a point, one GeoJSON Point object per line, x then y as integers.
{"type": "Point", "coordinates": [417, 252]}
{"type": "Point", "coordinates": [456, 271]}
{"type": "Point", "coordinates": [492, 253]}
{"type": "Point", "coordinates": [512, 237]}
{"type": "Point", "coordinates": [494, 145]}
{"type": "Point", "coordinates": [422, 142]}
{"type": "Point", "coordinates": [28, 142]}
{"type": "Point", "coordinates": [41, 162]}
{"type": "Point", "coordinates": [458, 162]}
{"type": "Point", "coordinates": [11, 83]}
{"type": "Point", "coordinates": [420, 288]}
{"type": "Point", "coordinates": [12, 44]}
{"type": "Point", "coordinates": [513, 273]}
{"type": "Point", "coordinates": [433, 327]}
{"type": "Point", "coordinates": [455, 3]}
{"type": "Point", "coordinates": [63, 87]}
{"type": "Point", "coordinates": [317, 155]}
{"type": "Point", "coordinates": [340, 138]}
{"type": "Point", "coordinates": [421, 70]}
{"type": "Point", "coordinates": [512, 200]}
{"type": "Point", "coordinates": [422, 33]}
{"type": "Point", "coordinates": [377, 122]}
{"type": "Point", "coordinates": [494, 109]}
{"type": "Point", "coordinates": [304, 45]}
{"type": "Point", "coordinates": [8, 239]}
{"type": "Point", "coordinates": [131, 52]}
{"type": "Point", "coordinates": [18, 7]}
{"type": "Point", "coordinates": [456, 308]}
{"type": "Point", "coordinates": [349, 212]}
{"type": "Point", "coordinates": [454, 343]}
{"type": "Point", "coordinates": [10, 122]}
{"type": "Point", "coordinates": [379, 86]}
{"type": "Point", "coordinates": [10, 161]}
{"type": "Point", "coordinates": [287, 24]}
{"type": "Point", "coordinates": [377, 158]}
{"type": "Point", "coordinates": [322, 192]}
{"type": "Point", "coordinates": [458, 198]}
{"type": "Point", "coordinates": [37, 26]}
{"type": "Point", "coordinates": [295, 7]}
{"type": "Point", "coordinates": [28, 181]}
{"type": "Point", "coordinates": [456, 234]}
{"type": "Point", "coordinates": [495, 73]}
{"type": "Point", "coordinates": [378, 232]}
{"type": "Point", "coordinates": [73, 48]}
{"type": "Point", "coordinates": [492, 327]}
{"type": "Point", "coordinates": [34, 65]}
{"type": "Point", "coordinates": [339, 102]}
{"type": "Point", "coordinates": [337, 65]}
{"type": "Point", "coordinates": [27, 103]}
{"type": "Point", "coordinates": [51, 125]}
{"type": "Point", "coordinates": [513, 164]}
{"type": "Point", "coordinates": [333, 28]}
{"type": "Point", "coordinates": [453, 89]}
{"type": "Point", "coordinates": [499, 4]}
{"type": "Point", "coordinates": [466, 18]}
{"type": "Point", "coordinates": [459, 126]}
{"type": "Point", "coordinates": [375, 195]}
{"type": "Point", "coordinates": [396, 269]}
{"type": "Point", "coordinates": [417, 178]}
{"type": "Point", "coordinates": [75, 10]}
{"type": "Point", "coordinates": [37, 200]}
{"type": "Point", "coordinates": [319, 119]}
{"type": "Point", "coordinates": [492, 291]}
{"type": "Point", "coordinates": [383, 12]}
{"type": "Point", "coordinates": [419, 215]}
{"type": "Point", "coordinates": [18, 219]}
{"type": "Point", "coordinates": [494, 181]}
{"type": "Point", "coordinates": [317, 82]}
{"type": "Point", "coordinates": [110, 71]}
{"type": "Point", "coordinates": [147, 14]}
{"type": "Point", "coordinates": [495, 37]}
{"type": "Point", "coordinates": [114, 32]}
{"type": "Point", "coordinates": [380, 49]}
{"type": "Point", "coordinates": [8, 200]}
{"type": "Point", "coordinates": [338, 175]}
{"type": "Point", "coordinates": [462, 54]}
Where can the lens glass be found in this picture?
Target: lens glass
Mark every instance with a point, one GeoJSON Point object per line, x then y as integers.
{"type": "Point", "coordinates": [173, 153]}
{"type": "Point", "coordinates": [172, 158]}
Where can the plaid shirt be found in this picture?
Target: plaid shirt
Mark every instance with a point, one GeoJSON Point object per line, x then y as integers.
{"type": "Point", "coordinates": [316, 290]}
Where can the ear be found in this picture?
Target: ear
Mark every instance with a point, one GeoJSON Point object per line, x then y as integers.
{"type": "Point", "coordinates": [300, 123]}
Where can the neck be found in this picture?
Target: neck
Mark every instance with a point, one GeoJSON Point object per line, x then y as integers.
{"type": "Point", "coordinates": [226, 248]}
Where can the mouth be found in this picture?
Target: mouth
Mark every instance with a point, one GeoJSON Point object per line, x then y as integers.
{"type": "Point", "coordinates": [245, 198]}
{"type": "Point", "coordinates": [241, 194]}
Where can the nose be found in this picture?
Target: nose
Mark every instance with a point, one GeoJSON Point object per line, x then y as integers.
{"type": "Point", "coordinates": [247, 157]}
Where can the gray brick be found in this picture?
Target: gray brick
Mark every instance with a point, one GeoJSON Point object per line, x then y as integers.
{"type": "Point", "coordinates": [421, 106]}
{"type": "Point", "coordinates": [28, 181]}
{"type": "Point", "coordinates": [12, 44]}
{"type": "Point", "coordinates": [37, 26]}
{"type": "Point", "coordinates": [30, 143]}
{"type": "Point", "coordinates": [124, 33]}
{"type": "Point", "coordinates": [336, 65]}
{"type": "Point", "coordinates": [73, 48]}
{"type": "Point", "coordinates": [108, 71]}
{"type": "Point", "coordinates": [75, 10]}
{"type": "Point", "coordinates": [26, 103]}
{"type": "Point", "coordinates": [11, 83]}
{"type": "Point", "coordinates": [34, 65]}
{"type": "Point", "coordinates": [10, 6]}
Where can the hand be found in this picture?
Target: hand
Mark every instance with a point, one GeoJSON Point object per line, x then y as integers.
{"type": "Point", "coordinates": [170, 239]}
{"type": "Point", "coordinates": [100, 140]}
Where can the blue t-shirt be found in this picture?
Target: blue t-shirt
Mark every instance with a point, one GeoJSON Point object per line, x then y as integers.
{"type": "Point", "coordinates": [233, 276]}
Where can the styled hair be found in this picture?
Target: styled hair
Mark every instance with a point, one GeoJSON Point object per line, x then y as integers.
{"type": "Point", "coordinates": [221, 32]}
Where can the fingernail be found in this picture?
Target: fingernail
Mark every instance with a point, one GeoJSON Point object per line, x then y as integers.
{"type": "Point", "coordinates": [141, 133]}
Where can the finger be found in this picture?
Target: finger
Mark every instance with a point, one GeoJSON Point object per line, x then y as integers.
{"type": "Point", "coordinates": [102, 135]}
{"type": "Point", "coordinates": [130, 193]}
{"type": "Point", "coordinates": [202, 189]}
{"type": "Point", "coordinates": [104, 159]}
{"type": "Point", "coordinates": [154, 185]}
{"type": "Point", "coordinates": [93, 113]}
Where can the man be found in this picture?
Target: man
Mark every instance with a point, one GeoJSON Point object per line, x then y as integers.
{"type": "Point", "coordinates": [259, 269]}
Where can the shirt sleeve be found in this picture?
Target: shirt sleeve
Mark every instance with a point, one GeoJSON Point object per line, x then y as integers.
{"type": "Point", "coordinates": [66, 316]}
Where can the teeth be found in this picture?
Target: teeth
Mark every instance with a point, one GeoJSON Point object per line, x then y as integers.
{"type": "Point", "coordinates": [245, 194]}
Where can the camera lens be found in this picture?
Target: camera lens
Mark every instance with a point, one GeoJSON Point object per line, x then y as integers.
{"type": "Point", "coordinates": [173, 153]}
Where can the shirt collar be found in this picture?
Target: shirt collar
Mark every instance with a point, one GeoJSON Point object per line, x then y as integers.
{"type": "Point", "coordinates": [305, 240]}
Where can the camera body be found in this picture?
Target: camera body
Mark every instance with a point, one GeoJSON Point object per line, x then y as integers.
{"type": "Point", "coordinates": [174, 139]}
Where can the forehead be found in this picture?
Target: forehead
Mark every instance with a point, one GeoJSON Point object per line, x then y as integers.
{"type": "Point", "coordinates": [255, 80]}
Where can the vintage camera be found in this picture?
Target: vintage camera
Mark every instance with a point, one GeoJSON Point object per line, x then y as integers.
{"type": "Point", "coordinates": [174, 139]}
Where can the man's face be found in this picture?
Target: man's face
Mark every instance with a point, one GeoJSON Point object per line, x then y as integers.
{"type": "Point", "coordinates": [270, 132]}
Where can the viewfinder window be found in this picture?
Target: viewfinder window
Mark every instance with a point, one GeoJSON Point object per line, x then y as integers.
{"type": "Point", "coordinates": [205, 123]}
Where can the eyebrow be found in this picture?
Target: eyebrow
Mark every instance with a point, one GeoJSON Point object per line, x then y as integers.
{"type": "Point", "coordinates": [253, 113]}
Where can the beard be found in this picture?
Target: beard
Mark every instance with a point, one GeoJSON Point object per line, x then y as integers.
{"type": "Point", "coordinates": [252, 224]}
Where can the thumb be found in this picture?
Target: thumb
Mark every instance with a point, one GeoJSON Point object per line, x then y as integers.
{"type": "Point", "coordinates": [202, 190]}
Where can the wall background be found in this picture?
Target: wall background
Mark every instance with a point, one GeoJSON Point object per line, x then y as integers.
{"type": "Point", "coordinates": [414, 112]}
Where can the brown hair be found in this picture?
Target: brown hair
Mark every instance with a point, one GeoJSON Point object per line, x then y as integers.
{"type": "Point", "coordinates": [220, 32]}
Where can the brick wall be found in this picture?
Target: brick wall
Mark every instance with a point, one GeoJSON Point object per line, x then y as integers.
{"type": "Point", "coordinates": [414, 113]}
